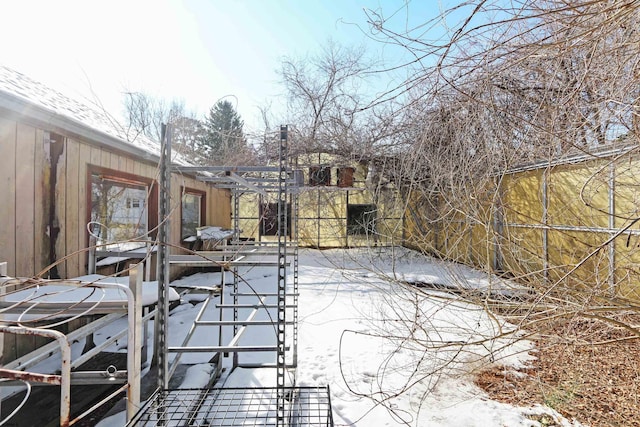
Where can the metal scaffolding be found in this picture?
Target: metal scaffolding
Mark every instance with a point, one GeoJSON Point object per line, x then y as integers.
{"type": "Point", "coordinates": [311, 406]}
{"type": "Point", "coordinates": [278, 182]}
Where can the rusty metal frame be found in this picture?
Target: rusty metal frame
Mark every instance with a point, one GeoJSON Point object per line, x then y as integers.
{"type": "Point", "coordinates": [63, 380]}
{"type": "Point", "coordinates": [133, 310]}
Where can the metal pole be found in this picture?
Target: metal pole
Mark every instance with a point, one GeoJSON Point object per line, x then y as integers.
{"type": "Point", "coordinates": [296, 209]}
{"type": "Point", "coordinates": [612, 226]}
{"type": "Point", "coordinates": [161, 324]}
{"type": "Point", "coordinates": [223, 283]}
{"type": "Point", "coordinates": [545, 223]}
{"type": "Point", "coordinates": [134, 345]}
{"type": "Point", "coordinates": [65, 369]}
{"type": "Point", "coordinates": [236, 228]}
{"type": "Point", "coordinates": [497, 226]}
{"type": "Point", "coordinates": [282, 278]}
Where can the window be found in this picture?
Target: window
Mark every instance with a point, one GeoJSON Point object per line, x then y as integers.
{"type": "Point", "coordinates": [345, 177]}
{"type": "Point", "coordinates": [132, 203]}
{"type": "Point", "coordinates": [361, 219]}
{"type": "Point", "coordinates": [119, 209]}
{"type": "Point", "coordinates": [269, 219]}
{"type": "Point", "coordinates": [319, 175]}
{"type": "Point", "coordinates": [192, 212]}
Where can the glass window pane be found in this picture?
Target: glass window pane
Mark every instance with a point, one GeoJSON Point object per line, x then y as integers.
{"type": "Point", "coordinates": [121, 210]}
{"type": "Point", "coordinates": [190, 214]}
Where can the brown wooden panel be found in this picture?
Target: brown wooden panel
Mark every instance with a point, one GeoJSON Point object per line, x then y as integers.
{"type": "Point", "coordinates": [42, 173]}
{"type": "Point", "coordinates": [8, 194]}
{"type": "Point", "coordinates": [138, 169]}
{"type": "Point", "coordinates": [130, 165]}
{"type": "Point", "coordinates": [220, 208]}
{"type": "Point", "coordinates": [122, 163]}
{"type": "Point", "coordinates": [150, 171]}
{"type": "Point", "coordinates": [60, 210]}
{"type": "Point", "coordinates": [115, 162]}
{"type": "Point", "coordinates": [105, 159]}
{"type": "Point", "coordinates": [84, 203]}
{"type": "Point", "coordinates": [96, 155]}
{"type": "Point", "coordinates": [25, 203]}
{"type": "Point", "coordinates": [72, 218]}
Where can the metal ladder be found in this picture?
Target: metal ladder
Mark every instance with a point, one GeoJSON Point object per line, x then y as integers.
{"type": "Point", "coordinates": [285, 251]}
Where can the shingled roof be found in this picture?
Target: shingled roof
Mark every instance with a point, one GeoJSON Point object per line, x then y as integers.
{"type": "Point", "coordinates": [33, 101]}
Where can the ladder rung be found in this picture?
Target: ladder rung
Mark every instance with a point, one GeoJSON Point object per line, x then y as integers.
{"type": "Point", "coordinates": [251, 306]}
{"type": "Point", "coordinates": [195, 263]}
{"type": "Point", "coordinates": [199, 288]}
{"type": "Point", "coordinates": [246, 243]}
{"type": "Point", "coordinates": [239, 322]}
{"type": "Point", "coordinates": [264, 365]}
{"type": "Point", "coordinates": [249, 294]}
{"type": "Point", "coordinates": [224, 349]}
{"type": "Point", "coordinates": [249, 263]}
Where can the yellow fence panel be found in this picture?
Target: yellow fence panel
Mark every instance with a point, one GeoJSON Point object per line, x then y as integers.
{"type": "Point", "coordinates": [523, 198]}
{"type": "Point", "coordinates": [547, 224]}
{"type": "Point", "coordinates": [578, 195]}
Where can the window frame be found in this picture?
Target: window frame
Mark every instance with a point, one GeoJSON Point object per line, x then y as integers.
{"type": "Point", "coordinates": [366, 220]}
{"type": "Point", "coordinates": [126, 179]}
{"type": "Point", "coordinates": [203, 207]}
{"type": "Point", "coordinates": [319, 176]}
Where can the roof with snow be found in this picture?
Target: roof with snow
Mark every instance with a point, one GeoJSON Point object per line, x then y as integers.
{"type": "Point", "coordinates": [33, 100]}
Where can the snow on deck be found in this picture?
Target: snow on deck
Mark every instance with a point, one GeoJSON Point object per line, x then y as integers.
{"type": "Point", "coordinates": [84, 289]}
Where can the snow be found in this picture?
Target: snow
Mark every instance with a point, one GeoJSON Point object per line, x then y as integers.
{"type": "Point", "coordinates": [391, 355]}
{"type": "Point", "coordinates": [214, 233]}
{"type": "Point", "coordinates": [88, 290]}
{"type": "Point", "coordinates": [128, 248]}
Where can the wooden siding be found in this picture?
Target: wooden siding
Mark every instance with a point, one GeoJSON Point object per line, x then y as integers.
{"type": "Point", "coordinates": [26, 177]}
{"type": "Point", "coordinates": [8, 141]}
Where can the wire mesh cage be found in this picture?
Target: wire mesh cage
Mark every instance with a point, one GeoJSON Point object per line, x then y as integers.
{"type": "Point", "coordinates": [307, 407]}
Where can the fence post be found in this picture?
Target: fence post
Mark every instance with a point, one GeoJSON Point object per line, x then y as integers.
{"type": "Point", "coordinates": [612, 226]}
{"type": "Point", "coordinates": [545, 223]}
{"type": "Point", "coordinates": [498, 221]}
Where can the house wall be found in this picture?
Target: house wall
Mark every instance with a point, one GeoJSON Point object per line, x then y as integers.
{"type": "Point", "coordinates": [24, 236]}
{"type": "Point", "coordinates": [45, 182]}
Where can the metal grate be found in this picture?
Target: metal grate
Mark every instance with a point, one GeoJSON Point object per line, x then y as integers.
{"type": "Point", "coordinates": [306, 407]}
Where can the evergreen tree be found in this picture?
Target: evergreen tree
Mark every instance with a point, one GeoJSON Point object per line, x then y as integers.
{"type": "Point", "coordinates": [223, 140]}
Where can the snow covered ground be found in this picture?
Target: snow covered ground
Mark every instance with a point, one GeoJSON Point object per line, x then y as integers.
{"type": "Point", "coordinates": [392, 355]}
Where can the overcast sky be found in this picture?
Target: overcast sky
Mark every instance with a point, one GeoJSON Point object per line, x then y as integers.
{"type": "Point", "coordinates": [199, 51]}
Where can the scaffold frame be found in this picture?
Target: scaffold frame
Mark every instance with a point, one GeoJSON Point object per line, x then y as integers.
{"type": "Point", "coordinates": [239, 180]}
